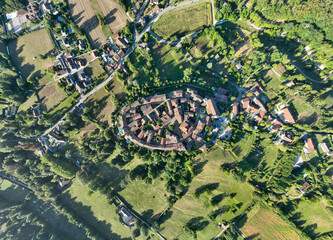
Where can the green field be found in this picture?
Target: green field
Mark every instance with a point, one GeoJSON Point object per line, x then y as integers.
{"type": "Point", "coordinates": [62, 107]}
{"type": "Point", "coordinates": [96, 210]}
{"type": "Point", "coordinates": [170, 62]}
{"type": "Point", "coordinates": [263, 223]}
{"type": "Point", "coordinates": [184, 20]}
{"type": "Point", "coordinates": [44, 212]}
{"type": "Point", "coordinates": [27, 47]}
{"type": "Point", "coordinates": [101, 101]}
{"type": "Point", "coordinates": [11, 192]}
{"type": "Point", "coordinates": [192, 209]}
{"type": "Point", "coordinates": [307, 112]}
{"type": "Point", "coordinates": [149, 200]}
{"type": "Point", "coordinates": [315, 216]}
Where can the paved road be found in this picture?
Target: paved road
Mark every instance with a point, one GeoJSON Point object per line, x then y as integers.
{"type": "Point", "coordinates": [311, 79]}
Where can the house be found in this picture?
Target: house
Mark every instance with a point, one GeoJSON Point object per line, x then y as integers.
{"type": "Point", "coordinates": [288, 117]}
{"type": "Point", "coordinates": [276, 125]}
{"type": "Point", "coordinates": [212, 108]}
{"type": "Point", "coordinates": [245, 102]}
{"type": "Point", "coordinates": [309, 145]}
{"type": "Point", "coordinates": [47, 7]}
{"type": "Point", "coordinates": [235, 110]}
{"type": "Point", "coordinates": [120, 42]}
{"type": "Point", "coordinates": [298, 161]}
{"type": "Point", "coordinates": [156, 9]}
{"type": "Point", "coordinates": [81, 45]}
{"type": "Point", "coordinates": [36, 111]}
{"type": "Point", "coordinates": [217, 57]}
{"type": "Point", "coordinates": [63, 183]}
{"type": "Point", "coordinates": [290, 84]}
{"type": "Point", "coordinates": [126, 217]}
{"type": "Point", "coordinates": [319, 66]}
{"type": "Point", "coordinates": [326, 148]}
{"type": "Point", "coordinates": [308, 50]}
{"type": "Point", "coordinates": [116, 36]}
{"type": "Point", "coordinates": [238, 66]}
{"type": "Point", "coordinates": [153, 2]}
{"type": "Point", "coordinates": [305, 186]}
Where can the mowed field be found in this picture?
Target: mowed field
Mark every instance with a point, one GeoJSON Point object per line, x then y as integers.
{"type": "Point", "coordinates": [103, 101]}
{"type": "Point", "coordinates": [50, 96]}
{"type": "Point", "coordinates": [192, 209]}
{"type": "Point", "coordinates": [84, 16]}
{"type": "Point", "coordinates": [263, 224]}
{"type": "Point", "coordinates": [25, 48]}
{"type": "Point", "coordinates": [184, 20]}
{"type": "Point", "coordinates": [115, 17]}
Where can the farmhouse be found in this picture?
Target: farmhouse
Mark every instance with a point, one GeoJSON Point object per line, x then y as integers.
{"type": "Point", "coordinates": [309, 145]}
{"type": "Point", "coordinates": [327, 148]}
{"type": "Point", "coordinates": [288, 117]}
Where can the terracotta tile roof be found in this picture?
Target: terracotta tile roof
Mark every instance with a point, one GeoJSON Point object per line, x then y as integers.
{"type": "Point", "coordinates": [287, 116]}
{"type": "Point", "coordinates": [309, 144]}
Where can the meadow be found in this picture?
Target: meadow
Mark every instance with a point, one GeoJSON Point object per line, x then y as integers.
{"type": "Point", "coordinates": [184, 20]}
{"type": "Point", "coordinates": [26, 52]}
{"type": "Point", "coordinates": [231, 198]}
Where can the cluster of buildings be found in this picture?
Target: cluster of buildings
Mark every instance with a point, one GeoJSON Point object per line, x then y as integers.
{"type": "Point", "coordinates": [19, 20]}
{"type": "Point", "coordinates": [174, 121]}
{"type": "Point", "coordinates": [114, 52]}
{"type": "Point", "coordinates": [254, 107]}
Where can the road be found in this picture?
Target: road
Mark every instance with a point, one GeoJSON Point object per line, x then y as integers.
{"type": "Point", "coordinates": [311, 79]}
{"type": "Point", "coordinates": [213, 12]}
{"type": "Point", "coordinates": [15, 181]}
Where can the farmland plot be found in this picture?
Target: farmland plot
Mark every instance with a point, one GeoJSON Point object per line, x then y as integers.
{"type": "Point", "coordinates": [86, 19]}
{"type": "Point", "coordinates": [115, 17]}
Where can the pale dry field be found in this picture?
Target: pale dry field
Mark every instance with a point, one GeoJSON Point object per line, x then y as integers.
{"type": "Point", "coordinates": [84, 16]}
{"type": "Point", "coordinates": [115, 17]}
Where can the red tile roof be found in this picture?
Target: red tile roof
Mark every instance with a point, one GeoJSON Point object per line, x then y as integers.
{"type": "Point", "coordinates": [309, 144]}
{"type": "Point", "coordinates": [287, 116]}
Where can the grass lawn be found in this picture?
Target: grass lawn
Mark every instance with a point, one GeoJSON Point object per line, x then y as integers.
{"type": "Point", "coordinates": [62, 107]}
{"type": "Point", "coordinates": [96, 210]}
{"type": "Point", "coordinates": [316, 214]}
{"type": "Point", "coordinates": [29, 46]}
{"type": "Point", "coordinates": [184, 20]}
{"type": "Point", "coordinates": [103, 100]}
{"type": "Point", "coordinates": [307, 113]}
{"type": "Point", "coordinates": [243, 147]}
{"type": "Point", "coordinates": [50, 96]}
{"type": "Point", "coordinates": [263, 223]}
{"type": "Point", "coordinates": [190, 208]}
{"type": "Point", "coordinates": [273, 83]}
{"type": "Point", "coordinates": [94, 69]}
{"type": "Point", "coordinates": [27, 104]}
{"type": "Point", "coordinates": [149, 200]}
{"type": "Point", "coordinates": [12, 192]}
{"type": "Point", "coordinates": [170, 62]}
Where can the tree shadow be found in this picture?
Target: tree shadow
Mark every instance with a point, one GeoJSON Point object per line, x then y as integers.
{"type": "Point", "coordinates": [197, 224]}
{"type": "Point", "coordinates": [87, 215]}
{"type": "Point", "coordinates": [210, 187]}
{"type": "Point", "coordinates": [253, 236]}
{"type": "Point", "coordinates": [166, 216]}
{"type": "Point", "coordinates": [198, 168]}
{"type": "Point", "coordinates": [110, 18]}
